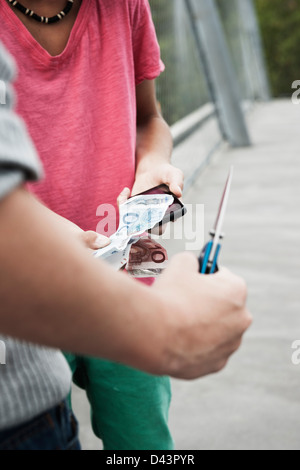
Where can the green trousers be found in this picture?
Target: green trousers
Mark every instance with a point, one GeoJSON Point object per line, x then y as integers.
{"type": "Point", "coordinates": [129, 408]}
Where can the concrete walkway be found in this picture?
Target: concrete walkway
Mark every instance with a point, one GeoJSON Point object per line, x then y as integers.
{"type": "Point", "coordinates": [255, 402]}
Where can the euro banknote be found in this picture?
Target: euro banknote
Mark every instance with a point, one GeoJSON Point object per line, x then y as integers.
{"type": "Point", "coordinates": [137, 215]}
{"type": "Point", "coordinates": [147, 258]}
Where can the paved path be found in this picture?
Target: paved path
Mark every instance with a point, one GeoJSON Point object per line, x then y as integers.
{"type": "Point", "coordinates": [255, 402]}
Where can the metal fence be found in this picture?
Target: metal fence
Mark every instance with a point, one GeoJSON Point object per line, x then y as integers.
{"type": "Point", "coordinates": [243, 38]}
{"type": "Point", "coordinates": [188, 83]}
{"type": "Point", "coordinates": [182, 88]}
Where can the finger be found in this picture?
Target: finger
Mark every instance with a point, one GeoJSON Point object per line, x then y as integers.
{"type": "Point", "coordinates": [237, 285]}
{"type": "Point", "coordinates": [248, 320]}
{"type": "Point", "coordinates": [123, 196]}
{"type": "Point", "coordinates": [95, 241]}
{"type": "Point", "coordinates": [219, 366]}
{"type": "Point", "coordinates": [226, 275]}
{"type": "Point", "coordinates": [175, 181]}
{"type": "Point", "coordinates": [175, 189]}
{"type": "Point", "coordinates": [101, 242]}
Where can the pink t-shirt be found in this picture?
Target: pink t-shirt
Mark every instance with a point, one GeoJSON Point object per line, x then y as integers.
{"type": "Point", "coordinates": [80, 106]}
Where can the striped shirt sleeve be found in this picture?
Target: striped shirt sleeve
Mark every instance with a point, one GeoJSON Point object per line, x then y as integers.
{"type": "Point", "coordinates": [18, 158]}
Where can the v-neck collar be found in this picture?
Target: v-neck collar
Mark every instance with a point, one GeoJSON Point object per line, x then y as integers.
{"type": "Point", "coordinates": [36, 49]}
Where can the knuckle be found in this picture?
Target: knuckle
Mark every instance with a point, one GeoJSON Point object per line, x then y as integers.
{"type": "Point", "coordinates": [236, 345]}
{"type": "Point", "coordinates": [189, 256]}
{"type": "Point", "coordinates": [90, 236]}
{"type": "Point", "coordinates": [90, 233]}
{"type": "Point", "coordinates": [240, 284]}
{"type": "Point", "coordinates": [244, 290]}
{"type": "Point", "coordinates": [220, 366]}
{"type": "Point", "coordinates": [245, 322]}
{"type": "Point", "coordinates": [84, 236]}
{"type": "Point", "coordinates": [189, 260]}
{"type": "Point", "coordinates": [239, 292]}
{"type": "Point", "coordinates": [248, 319]}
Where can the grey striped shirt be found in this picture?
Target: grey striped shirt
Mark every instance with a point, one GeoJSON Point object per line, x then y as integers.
{"type": "Point", "coordinates": [33, 379]}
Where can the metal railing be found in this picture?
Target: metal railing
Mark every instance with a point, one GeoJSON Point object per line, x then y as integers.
{"type": "Point", "coordinates": [244, 42]}
{"type": "Point", "coordinates": [182, 88]}
{"type": "Point", "coordinates": [213, 56]}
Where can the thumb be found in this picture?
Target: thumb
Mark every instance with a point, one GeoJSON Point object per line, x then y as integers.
{"type": "Point", "coordinates": [95, 241]}
{"type": "Point", "coordinates": [175, 181]}
{"type": "Point", "coordinates": [123, 196]}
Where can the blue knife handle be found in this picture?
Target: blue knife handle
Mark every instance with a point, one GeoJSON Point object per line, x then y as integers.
{"type": "Point", "coordinates": [206, 266]}
{"type": "Point", "coordinates": [203, 259]}
{"type": "Point", "coordinates": [214, 268]}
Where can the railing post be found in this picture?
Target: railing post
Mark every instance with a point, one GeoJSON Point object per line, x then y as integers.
{"type": "Point", "coordinates": [2, 92]}
{"type": "Point", "coordinates": [210, 36]}
{"type": "Point", "coordinates": [254, 58]}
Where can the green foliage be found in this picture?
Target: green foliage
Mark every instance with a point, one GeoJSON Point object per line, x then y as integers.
{"type": "Point", "coordinates": [280, 25]}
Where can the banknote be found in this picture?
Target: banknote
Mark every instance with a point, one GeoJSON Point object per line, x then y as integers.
{"type": "Point", "coordinates": [119, 259]}
{"type": "Point", "coordinates": [147, 258]}
{"type": "Point", "coordinates": [141, 213]}
{"type": "Point", "coordinates": [137, 215]}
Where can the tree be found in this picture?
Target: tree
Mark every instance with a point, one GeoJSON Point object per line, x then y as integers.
{"type": "Point", "coordinates": [280, 25]}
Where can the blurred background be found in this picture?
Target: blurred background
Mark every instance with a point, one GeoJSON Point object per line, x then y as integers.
{"type": "Point", "coordinates": [226, 93]}
{"type": "Point", "coordinates": [279, 22]}
{"type": "Point", "coordinates": [182, 89]}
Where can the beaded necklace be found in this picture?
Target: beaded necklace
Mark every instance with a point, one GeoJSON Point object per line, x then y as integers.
{"type": "Point", "coordinates": [43, 19]}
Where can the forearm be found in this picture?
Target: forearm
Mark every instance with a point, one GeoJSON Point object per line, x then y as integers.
{"type": "Point", "coordinates": [154, 144]}
{"type": "Point", "coordinates": [70, 226]}
{"type": "Point", "coordinates": [54, 293]}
